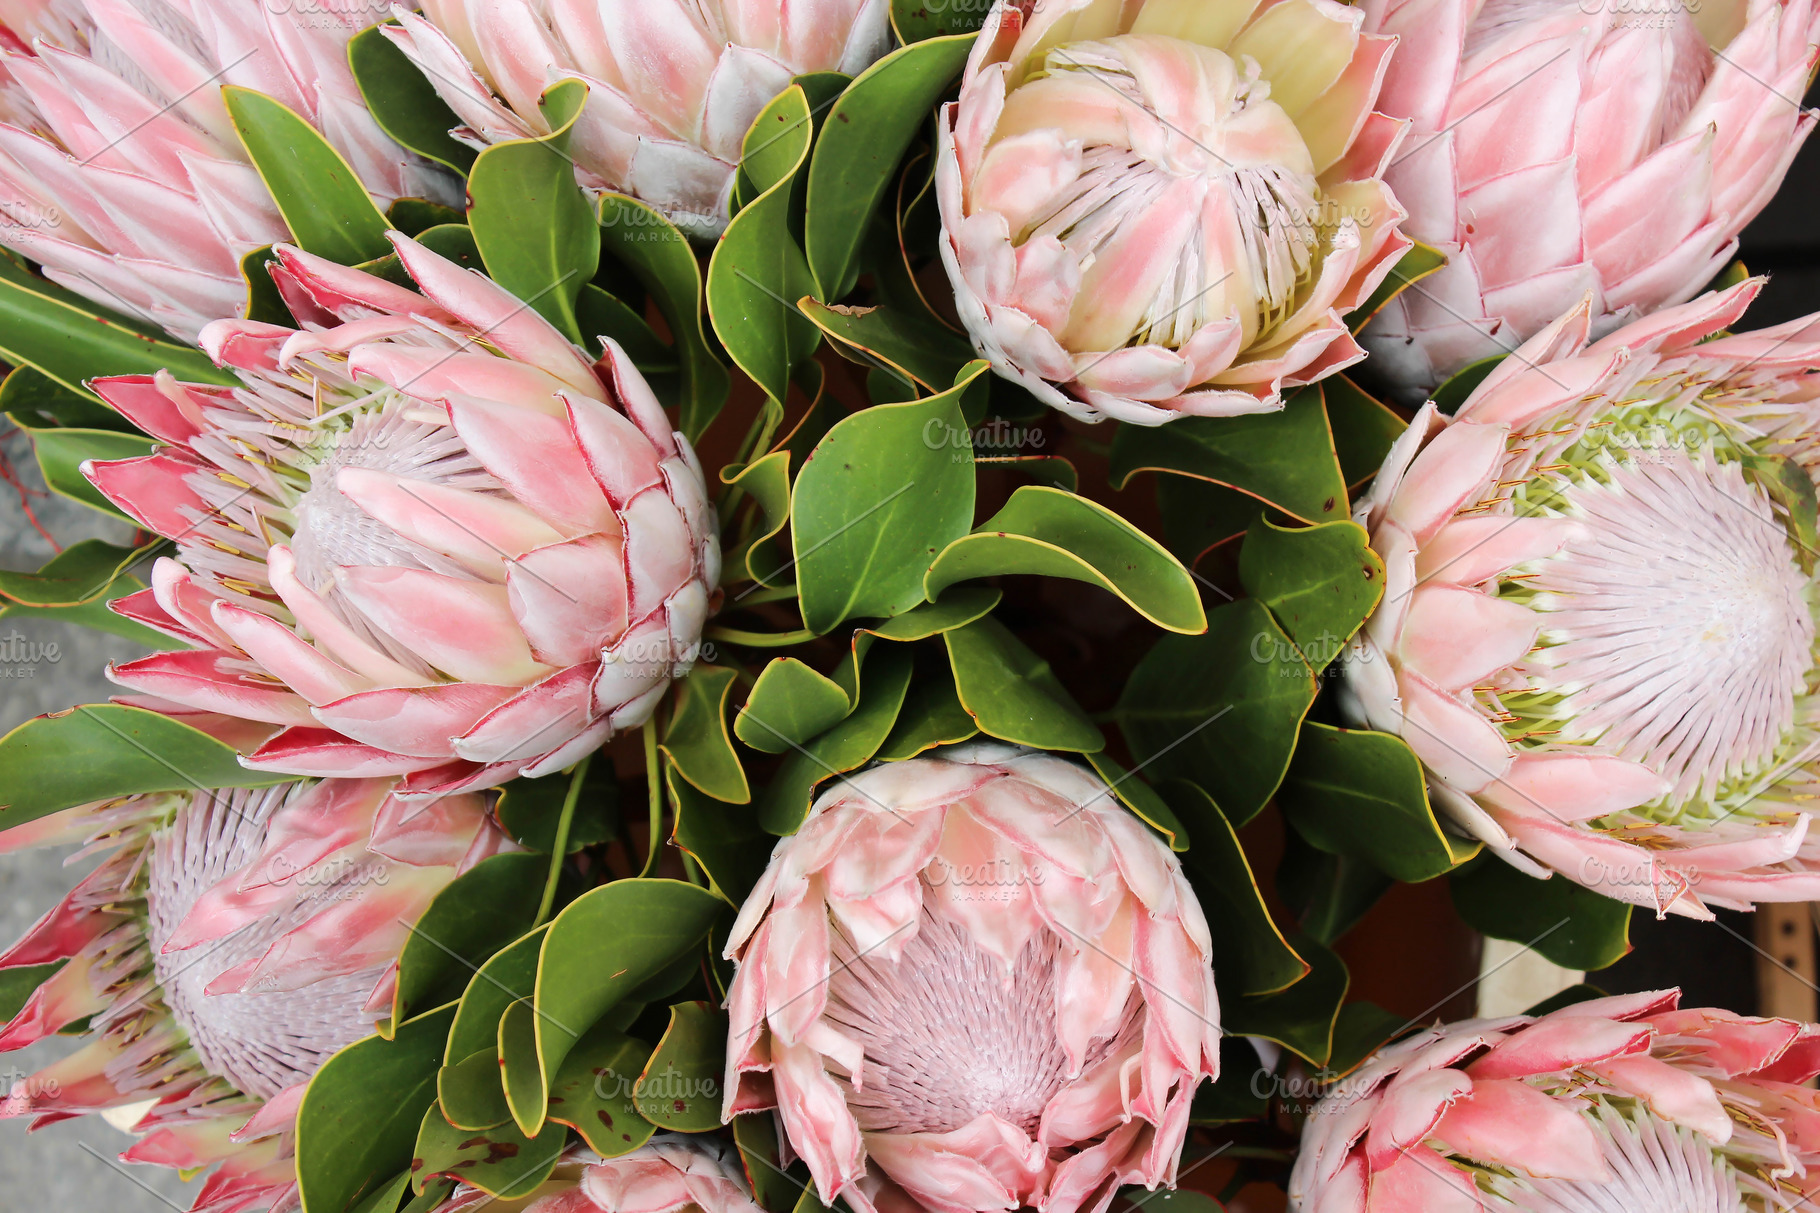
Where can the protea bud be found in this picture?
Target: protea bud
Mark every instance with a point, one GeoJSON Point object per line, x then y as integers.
{"type": "Point", "coordinates": [978, 980]}
{"type": "Point", "coordinates": [671, 1173]}
{"type": "Point", "coordinates": [120, 170]}
{"type": "Point", "coordinates": [1608, 1106]}
{"type": "Point", "coordinates": [230, 943]}
{"type": "Point", "coordinates": [1163, 208]}
{"type": "Point", "coordinates": [1566, 146]}
{"type": "Point", "coordinates": [1597, 629]}
{"type": "Point", "coordinates": [673, 85]}
{"type": "Point", "coordinates": [429, 536]}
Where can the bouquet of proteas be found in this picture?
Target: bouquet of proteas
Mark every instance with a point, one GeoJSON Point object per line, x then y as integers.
{"type": "Point", "coordinates": [637, 576]}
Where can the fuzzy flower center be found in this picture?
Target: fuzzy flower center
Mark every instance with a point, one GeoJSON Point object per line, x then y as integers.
{"type": "Point", "coordinates": [1678, 629]}
{"type": "Point", "coordinates": [1656, 1166]}
{"type": "Point", "coordinates": [948, 1034]}
{"type": "Point", "coordinates": [262, 1043]}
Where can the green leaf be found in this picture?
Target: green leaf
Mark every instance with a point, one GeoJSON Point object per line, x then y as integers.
{"type": "Point", "coordinates": [1328, 894]}
{"type": "Point", "coordinates": [1011, 693]}
{"type": "Point", "coordinates": [953, 610]}
{"type": "Point", "coordinates": [1787, 484]}
{"type": "Point", "coordinates": [604, 946]}
{"type": "Point", "coordinates": [96, 614]}
{"type": "Point", "coordinates": [403, 101]}
{"type": "Point", "coordinates": [386, 1198]}
{"type": "Point", "coordinates": [1351, 792]}
{"type": "Point", "coordinates": [414, 216]}
{"type": "Point", "coordinates": [1050, 533]}
{"type": "Point", "coordinates": [932, 716]}
{"type": "Point", "coordinates": [527, 1095]}
{"type": "Point", "coordinates": [1416, 264]}
{"type": "Point", "coordinates": [1362, 1029]}
{"type": "Point", "coordinates": [724, 839]}
{"type": "Point", "coordinates": [500, 1160]}
{"type": "Point", "coordinates": [1363, 429]}
{"type": "Point", "coordinates": [592, 1093]}
{"type": "Point", "coordinates": [82, 572]}
{"type": "Point", "coordinates": [1300, 1018]}
{"type": "Point", "coordinates": [478, 913]}
{"type": "Point", "coordinates": [530, 809]}
{"type": "Point", "coordinates": [264, 303]}
{"type": "Point", "coordinates": [469, 1092]}
{"type": "Point", "coordinates": [1220, 709]}
{"type": "Point", "coordinates": [755, 1133]}
{"type": "Point", "coordinates": [917, 20]}
{"type": "Point", "coordinates": [36, 401]}
{"type": "Point", "coordinates": [845, 747]}
{"type": "Point", "coordinates": [101, 750]}
{"type": "Point", "coordinates": [875, 503]}
{"type": "Point", "coordinates": [535, 229]}
{"type": "Point", "coordinates": [601, 315]}
{"type": "Point", "coordinates": [1454, 390]}
{"type": "Point", "coordinates": [768, 481]}
{"type": "Point", "coordinates": [1320, 582]}
{"type": "Point", "coordinates": [1151, 808]}
{"type": "Point", "coordinates": [511, 974]}
{"type": "Point", "coordinates": [1285, 459]}
{"type": "Point", "coordinates": [71, 340]}
{"type": "Point", "coordinates": [1251, 954]}
{"type": "Point", "coordinates": [758, 271]}
{"type": "Point", "coordinates": [62, 451]}
{"type": "Point", "coordinates": [914, 350]}
{"type": "Point", "coordinates": [680, 1087]}
{"type": "Point", "coordinates": [661, 258]}
{"type": "Point", "coordinates": [1565, 922]}
{"type": "Point", "coordinates": [697, 740]}
{"type": "Point", "coordinates": [789, 704]}
{"type": "Point", "coordinates": [322, 200]}
{"type": "Point", "coordinates": [865, 136]}
{"type": "Point", "coordinates": [361, 1113]}
{"type": "Point", "coordinates": [1234, 1096]}
{"type": "Point", "coordinates": [18, 985]}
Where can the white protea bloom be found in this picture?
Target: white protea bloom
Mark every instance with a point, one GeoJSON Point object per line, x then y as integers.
{"type": "Point", "coordinates": [673, 85]}
{"type": "Point", "coordinates": [229, 944]}
{"type": "Point", "coordinates": [120, 169]}
{"type": "Point", "coordinates": [1598, 626]}
{"type": "Point", "coordinates": [671, 1173]}
{"type": "Point", "coordinates": [974, 977]}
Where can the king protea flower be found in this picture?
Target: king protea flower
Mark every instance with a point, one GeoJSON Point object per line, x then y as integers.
{"type": "Point", "coordinates": [672, 1173]}
{"type": "Point", "coordinates": [429, 536]}
{"type": "Point", "coordinates": [228, 945]}
{"type": "Point", "coordinates": [119, 168]}
{"type": "Point", "coordinates": [976, 979]}
{"type": "Point", "coordinates": [1166, 208]}
{"type": "Point", "coordinates": [1611, 1106]}
{"type": "Point", "coordinates": [1566, 146]}
{"type": "Point", "coordinates": [673, 85]}
{"type": "Point", "coordinates": [1597, 630]}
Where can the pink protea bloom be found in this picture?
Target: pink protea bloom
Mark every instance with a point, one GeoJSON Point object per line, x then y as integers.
{"type": "Point", "coordinates": [977, 980]}
{"type": "Point", "coordinates": [428, 536]}
{"type": "Point", "coordinates": [120, 170]}
{"type": "Point", "coordinates": [672, 1173]}
{"type": "Point", "coordinates": [1617, 1105]}
{"type": "Point", "coordinates": [1567, 146]}
{"type": "Point", "coordinates": [1597, 630]}
{"type": "Point", "coordinates": [1162, 208]}
{"type": "Point", "coordinates": [228, 945]}
{"type": "Point", "coordinates": [673, 85]}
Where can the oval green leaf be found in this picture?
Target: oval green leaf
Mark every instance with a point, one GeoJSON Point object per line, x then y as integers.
{"type": "Point", "coordinates": [322, 200]}
{"type": "Point", "coordinates": [1320, 582]}
{"type": "Point", "coordinates": [789, 704]}
{"type": "Point", "coordinates": [697, 740]}
{"type": "Point", "coordinates": [477, 914]}
{"type": "Point", "coordinates": [679, 1089]}
{"type": "Point", "coordinates": [1011, 693]}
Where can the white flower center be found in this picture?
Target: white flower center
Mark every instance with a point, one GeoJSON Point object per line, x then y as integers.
{"type": "Point", "coordinates": [948, 1035]}
{"type": "Point", "coordinates": [1680, 627]}
{"type": "Point", "coordinates": [262, 1043]}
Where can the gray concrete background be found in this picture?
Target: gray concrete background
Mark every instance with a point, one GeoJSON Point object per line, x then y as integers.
{"type": "Point", "coordinates": [71, 1165]}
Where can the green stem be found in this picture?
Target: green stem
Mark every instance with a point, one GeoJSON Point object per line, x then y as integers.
{"type": "Point", "coordinates": [759, 640]}
{"type": "Point", "coordinates": [652, 777]}
{"type": "Point", "coordinates": [559, 851]}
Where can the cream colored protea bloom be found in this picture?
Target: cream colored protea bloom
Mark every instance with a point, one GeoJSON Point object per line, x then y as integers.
{"type": "Point", "coordinates": [1167, 207]}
